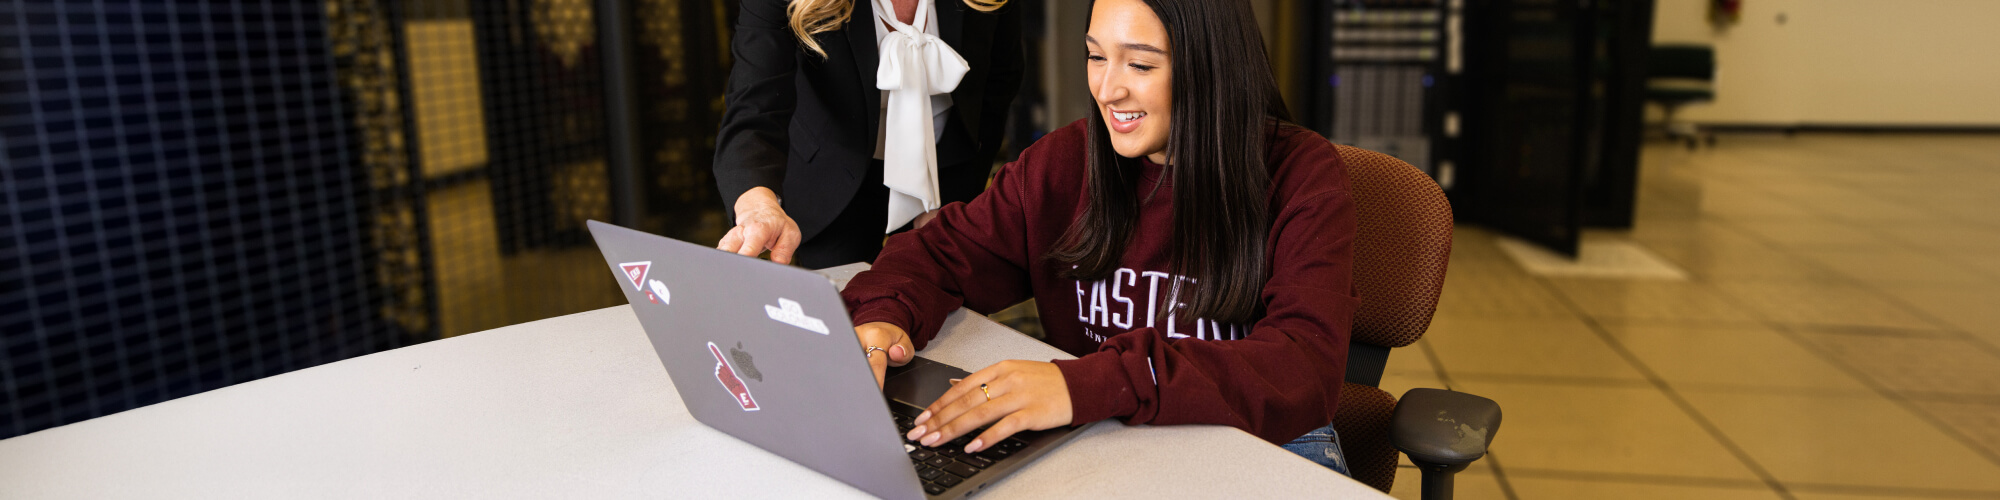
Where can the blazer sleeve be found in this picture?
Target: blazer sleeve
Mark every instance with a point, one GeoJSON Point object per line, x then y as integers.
{"type": "Point", "coordinates": [751, 147]}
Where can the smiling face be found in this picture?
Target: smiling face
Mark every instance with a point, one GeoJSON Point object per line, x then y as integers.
{"type": "Point", "coordinates": [1131, 76]}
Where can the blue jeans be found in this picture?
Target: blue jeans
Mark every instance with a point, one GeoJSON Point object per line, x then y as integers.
{"type": "Point", "coordinates": [1322, 446]}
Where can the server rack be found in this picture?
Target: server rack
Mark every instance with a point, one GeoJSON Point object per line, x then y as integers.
{"type": "Point", "coordinates": [1621, 38]}
{"type": "Point", "coordinates": [1524, 111]}
{"type": "Point", "coordinates": [1529, 119]}
{"type": "Point", "coordinates": [1387, 79]}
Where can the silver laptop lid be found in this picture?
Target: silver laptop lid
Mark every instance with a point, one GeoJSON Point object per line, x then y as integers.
{"type": "Point", "coordinates": [763, 352]}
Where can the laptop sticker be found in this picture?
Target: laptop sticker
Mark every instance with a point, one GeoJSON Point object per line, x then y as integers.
{"type": "Point", "coordinates": [636, 273]}
{"type": "Point", "coordinates": [727, 375]}
{"type": "Point", "coordinates": [789, 312]}
{"type": "Point", "coordinates": [659, 293]}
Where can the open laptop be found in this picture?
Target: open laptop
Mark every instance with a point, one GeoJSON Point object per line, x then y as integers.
{"type": "Point", "coordinates": [765, 353]}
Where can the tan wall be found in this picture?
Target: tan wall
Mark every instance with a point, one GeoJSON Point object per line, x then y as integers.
{"type": "Point", "coordinates": [1847, 62]}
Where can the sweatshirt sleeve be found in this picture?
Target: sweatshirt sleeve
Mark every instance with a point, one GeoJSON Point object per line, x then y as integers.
{"type": "Point", "coordinates": [1280, 381]}
{"type": "Point", "coordinates": [972, 254]}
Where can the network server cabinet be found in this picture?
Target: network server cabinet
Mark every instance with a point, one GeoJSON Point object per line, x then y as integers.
{"type": "Point", "coordinates": [1386, 80]}
{"type": "Point", "coordinates": [1525, 111]}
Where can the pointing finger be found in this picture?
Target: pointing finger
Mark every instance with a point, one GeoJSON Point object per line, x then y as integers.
{"type": "Point", "coordinates": [731, 240]}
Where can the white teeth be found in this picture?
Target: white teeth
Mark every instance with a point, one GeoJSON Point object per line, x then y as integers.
{"type": "Point", "coordinates": [1126, 117]}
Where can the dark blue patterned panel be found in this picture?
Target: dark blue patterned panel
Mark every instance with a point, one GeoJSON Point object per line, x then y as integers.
{"type": "Point", "coordinates": [182, 205]}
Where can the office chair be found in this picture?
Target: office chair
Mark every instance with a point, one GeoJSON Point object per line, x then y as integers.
{"type": "Point", "coordinates": [1402, 245]}
{"type": "Point", "coordinates": [1679, 75]}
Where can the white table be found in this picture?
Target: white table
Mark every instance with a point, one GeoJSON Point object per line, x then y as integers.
{"type": "Point", "coordinates": [568, 407]}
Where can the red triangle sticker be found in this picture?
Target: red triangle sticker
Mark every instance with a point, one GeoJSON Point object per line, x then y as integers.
{"type": "Point", "coordinates": [636, 272]}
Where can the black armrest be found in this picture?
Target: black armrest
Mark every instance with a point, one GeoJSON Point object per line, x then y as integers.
{"type": "Point", "coordinates": [1440, 427]}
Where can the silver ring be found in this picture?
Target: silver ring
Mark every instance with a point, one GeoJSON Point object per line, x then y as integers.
{"type": "Point", "coordinates": [870, 351]}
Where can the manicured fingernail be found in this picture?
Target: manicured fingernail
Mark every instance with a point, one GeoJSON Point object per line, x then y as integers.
{"type": "Point", "coordinates": [956, 381]}
{"type": "Point", "coordinates": [931, 439]}
{"type": "Point", "coordinates": [974, 447]}
{"type": "Point", "coordinates": [919, 431]}
{"type": "Point", "coordinates": [896, 351]}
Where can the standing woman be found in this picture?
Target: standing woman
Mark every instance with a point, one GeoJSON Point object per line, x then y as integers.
{"type": "Point", "coordinates": [849, 119]}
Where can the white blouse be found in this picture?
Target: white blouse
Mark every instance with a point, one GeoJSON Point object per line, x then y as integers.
{"type": "Point", "coordinates": [940, 103]}
{"type": "Point", "coordinates": [917, 71]}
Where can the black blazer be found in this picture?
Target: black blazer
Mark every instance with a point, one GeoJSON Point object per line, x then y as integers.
{"type": "Point", "coordinates": [806, 127]}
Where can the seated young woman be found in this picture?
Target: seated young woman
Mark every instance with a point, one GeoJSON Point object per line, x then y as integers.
{"type": "Point", "coordinates": [1186, 242]}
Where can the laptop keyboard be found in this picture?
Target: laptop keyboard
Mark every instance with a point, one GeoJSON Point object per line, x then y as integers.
{"type": "Point", "coordinates": [947, 465]}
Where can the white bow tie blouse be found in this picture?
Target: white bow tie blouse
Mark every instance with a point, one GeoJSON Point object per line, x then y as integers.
{"type": "Point", "coordinates": [917, 72]}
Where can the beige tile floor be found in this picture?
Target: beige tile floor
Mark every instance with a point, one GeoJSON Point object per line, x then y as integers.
{"type": "Point", "coordinates": [1839, 338]}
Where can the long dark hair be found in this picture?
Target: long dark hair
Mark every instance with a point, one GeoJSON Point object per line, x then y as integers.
{"type": "Point", "coordinates": [1225, 106]}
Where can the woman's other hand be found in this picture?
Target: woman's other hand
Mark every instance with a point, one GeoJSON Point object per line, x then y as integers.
{"type": "Point", "coordinates": [761, 224]}
{"type": "Point", "coordinates": [894, 344]}
{"type": "Point", "coordinates": [1018, 396]}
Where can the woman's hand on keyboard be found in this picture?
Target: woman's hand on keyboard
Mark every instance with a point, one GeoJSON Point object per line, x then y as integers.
{"type": "Point", "coordinates": [1018, 396]}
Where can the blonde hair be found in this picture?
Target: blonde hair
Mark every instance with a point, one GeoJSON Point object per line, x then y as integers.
{"type": "Point", "coordinates": [812, 17]}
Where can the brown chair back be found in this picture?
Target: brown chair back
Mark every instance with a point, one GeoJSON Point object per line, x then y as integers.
{"type": "Point", "coordinates": [1403, 244]}
{"type": "Point", "coordinates": [1401, 247]}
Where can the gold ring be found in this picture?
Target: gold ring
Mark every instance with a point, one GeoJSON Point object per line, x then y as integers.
{"type": "Point", "coordinates": [870, 351]}
{"type": "Point", "coordinates": [989, 394]}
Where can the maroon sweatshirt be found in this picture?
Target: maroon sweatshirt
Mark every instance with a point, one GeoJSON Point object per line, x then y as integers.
{"type": "Point", "coordinates": [1276, 378]}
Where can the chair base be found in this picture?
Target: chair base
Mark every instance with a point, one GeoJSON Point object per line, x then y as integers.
{"type": "Point", "coordinates": [1694, 139]}
{"type": "Point", "coordinates": [1439, 479]}
{"type": "Point", "coordinates": [1683, 132]}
